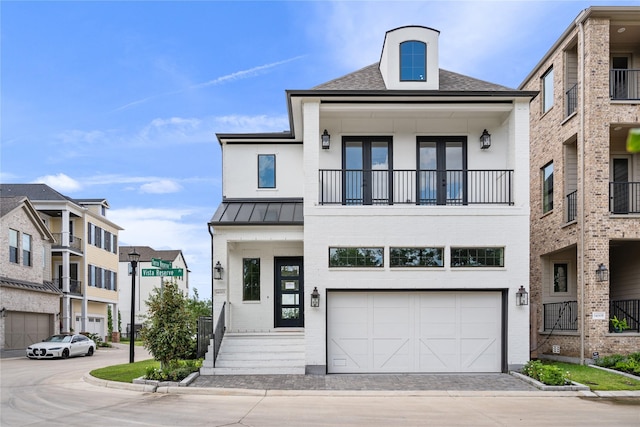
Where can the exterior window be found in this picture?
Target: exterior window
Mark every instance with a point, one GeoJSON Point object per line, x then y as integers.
{"type": "Point", "coordinates": [107, 241]}
{"type": "Point", "coordinates": [413, 61]}
{"type": "Point", "coordinates": [13, 246]}
{"type": "Point", "coordinates": [98, 237]}
{"type": "Point", "coordinates": [251, 279]}
{"type": "Point", "coordinates": [547, 188]}
{"type": "Point", "coordinates": [90, 234]}
{"type": "Point", "coordinates": [356, 257]}
{"type": "Point", "coordinates": [266, 171]}
{"type": "Point", "coordinates": [114, 244]}
{"type": "Point", "coordinates": [26, 250]}
{"type": "Point", "coordinates": [547, 91]}
{"type": "Point", "coordinates": [416, 257]}
{"type": "Point", "coordinates": [560, 277]}
{"type": "Point", "coordinates": [477, 257]}
{"type": "Point", "coordinates": [92, 275]}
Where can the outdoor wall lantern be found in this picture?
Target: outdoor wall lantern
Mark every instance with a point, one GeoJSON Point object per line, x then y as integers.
{"type": "Point", "coordinates": [217, 271]}
{"type": "Point", "coordinates": [602, 274]}
{"type": "Point", "coordinates": [134, 257]}
{"type": "Point", "coordinates": [315, 298]}
{"type": "Point", "coordinates": [326, 140]}
{"type": "Point", "coordinates": [485, 140]}
{"type": "Point", "coordinates": [522, 296]}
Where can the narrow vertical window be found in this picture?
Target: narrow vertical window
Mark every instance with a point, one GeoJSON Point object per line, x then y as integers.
{"type": "Point", "coordinates": [26, 250]}
{"type": "Point", "coordinates": [251, 279]}
{"type": "Point", "coordinates": [13, 246]}
{"type": "Point", "coordinates": [266, 171]}
{"type": "Point", "coordinates": [413, 61]}
{"type": "Point", "coordinates": [547, 90]}
{"type": "Point", "coordinates": [547, 188]}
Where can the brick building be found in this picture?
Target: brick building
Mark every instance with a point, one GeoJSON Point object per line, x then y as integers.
{"type": "Point", "coordinates": [585, 187]}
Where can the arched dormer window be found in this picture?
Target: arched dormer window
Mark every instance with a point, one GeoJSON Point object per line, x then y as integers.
{"type": "Point", "coordinates": [413, 61]}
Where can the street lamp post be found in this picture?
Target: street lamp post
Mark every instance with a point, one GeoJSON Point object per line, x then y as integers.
{"type": "Point", "coordinates": [133, 258]}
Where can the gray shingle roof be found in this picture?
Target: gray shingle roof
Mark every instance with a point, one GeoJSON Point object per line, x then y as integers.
{"type": "Point", "coordinates": [369, 78]}
{"type": "Point", "coordinates": [35, 192]}
{"type": "Point", "coordinates": [8, 204]}
{"type": "Point", "coordinates": [46, 286]}
{"type": "Point", "coordinates": [146, 253]}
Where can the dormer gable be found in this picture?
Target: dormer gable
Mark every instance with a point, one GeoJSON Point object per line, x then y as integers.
{"type": "Point", "coordinates": [409, 58]}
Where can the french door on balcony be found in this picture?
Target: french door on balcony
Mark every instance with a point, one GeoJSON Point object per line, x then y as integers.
{"type": "Point", "coordinates": [619, 192]}
{"type": "Point", "coordinates": [366, 166]}
{"type": "Point", "coordinates": [442, 166]}
{"type": "Point", "coordinates": [619, 77]}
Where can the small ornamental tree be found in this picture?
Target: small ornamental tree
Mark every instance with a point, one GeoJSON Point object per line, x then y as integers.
{"type": "Point", "coordinates": [168, 331]}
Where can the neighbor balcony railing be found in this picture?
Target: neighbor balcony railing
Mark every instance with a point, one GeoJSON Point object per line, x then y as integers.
{"type": "Point", "coordinates": [572, 99]}
{"type": "Point", "coordinates": [624, 84]}
{"type": "Point", "coordinates": [75, 286]}
{"type": "Point", "coordinates": [74, 242]}
{"type": "Point", "coordinates": [572, 205]}
{"type": "Point", "coordinates": [624, 197]}
{"type": "Point", "coordinates": [561, 316]}
{"type": "Point", "coordinates": [415, 187]}
{"type": "Point", "coordinates": [626, 309]}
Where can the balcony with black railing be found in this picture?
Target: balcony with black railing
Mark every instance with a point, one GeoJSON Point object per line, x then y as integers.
{"type": "Point", "coordinates": [74, 242]}
{"type": "Point", "coordinates": [624, 197]}
{"type": "Point", "coordinates": [415, 187]}
{"type": "Point", "coordinates": [624, 84]}
{"type": "Point", "coordinates": [75, 286]}
{"type": "Point", "coordinates": [627, 310]}
{"type": "Point", "coordinates": [571, 100]}
{"type": "Point", "coordinates": [561, 316]}
{"type": "Point", "coordinates": [572, 206]}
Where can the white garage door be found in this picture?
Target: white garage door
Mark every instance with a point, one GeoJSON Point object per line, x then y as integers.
{"type": "Point", "coordinates": [94, 326]}
{"type": "Point", "coordinates": [370, 332]}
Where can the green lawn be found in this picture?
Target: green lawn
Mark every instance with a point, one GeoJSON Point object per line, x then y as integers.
{"type": "Point", "coordinates": [597, 379]}
{"type": "Point", "coordinates": [125, 373]}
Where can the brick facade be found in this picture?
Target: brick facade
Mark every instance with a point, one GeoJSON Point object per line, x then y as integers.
{"type": "Point", "coordinates": [592, 131]}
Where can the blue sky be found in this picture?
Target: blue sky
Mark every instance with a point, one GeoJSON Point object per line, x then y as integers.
{"type": "Point", "coordinates": [121, 100]}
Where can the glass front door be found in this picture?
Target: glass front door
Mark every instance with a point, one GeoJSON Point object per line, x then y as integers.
{"type": "Point", "coordinates": [289, 292]}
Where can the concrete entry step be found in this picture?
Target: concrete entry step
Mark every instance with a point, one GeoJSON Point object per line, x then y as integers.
{"type": "Point", "coordinates": [268, 353]}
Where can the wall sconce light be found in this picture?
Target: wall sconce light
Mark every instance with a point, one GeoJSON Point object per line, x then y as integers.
{"type": "Point", "coordinates": [3, 312]}
{"type": "Point", "coordinates": [326, 140]}
{"type": "Point", "coordinates": [522, 296]}
{"type": "Point", "coordinates": [315, 298]}
{"type": "Point", "coordinates": [602, 274]}
{"type": "Point", "coordinates": [217, 271]}
{"type": "Point", "coordinates": [485, 140]}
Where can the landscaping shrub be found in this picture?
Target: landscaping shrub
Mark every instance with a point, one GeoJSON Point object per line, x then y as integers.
{"type": "Point", "coordinates": [175, 371]}
{"type": "Point", "coordinates": [546, 374]}
{"type": "Point", "coordinates": [629, 363]}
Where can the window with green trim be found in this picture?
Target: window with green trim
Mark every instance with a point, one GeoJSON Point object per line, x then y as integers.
{"type": "Point", "coordinates": [251, 279]}
{"type": "Point", "coordinates": [356, 257]}
{"type": "Point", "coordinates": [416, 257]}
{"type": "Point", "coordinates": [477, 257]}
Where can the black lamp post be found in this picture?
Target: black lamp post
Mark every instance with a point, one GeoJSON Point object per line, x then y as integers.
{"type": "Point", "coordinates": [133, 258]}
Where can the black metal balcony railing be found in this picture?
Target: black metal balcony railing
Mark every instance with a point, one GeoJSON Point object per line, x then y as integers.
{"type": "Point", "coordinates": [561, 316]}
{"type": "Point", "coordinates": [74, 242]}
{"type": "Point", "coordinates": [624, 197]}
{"type": "Point", "coordinates": [572, 206]}
{"type": "Point", "coordinates": [415, 187]}
{"type": "Point", "coordinates": [628, 310]}
{"type": "Point", "coordinates": [572, 99]}
{"type": "Point", "coordinates": [624, 84]}
{"type": "Point", "coordinates": [75, 286]}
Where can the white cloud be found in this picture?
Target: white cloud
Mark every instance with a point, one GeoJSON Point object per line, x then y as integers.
{"type": "Point", "coordinates": [60, 182]}
{"type": "Point", "coordinates": [251, 124]}
{"type": "Point", "coordinates": [162, 186]}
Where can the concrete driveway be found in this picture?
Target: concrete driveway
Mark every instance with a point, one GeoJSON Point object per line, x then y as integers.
{"type": "Point", "coordinates": [54, 392]}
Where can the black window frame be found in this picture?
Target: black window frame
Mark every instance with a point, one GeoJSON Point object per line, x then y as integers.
{"type": "Point", "coordinates": [403, 66]}
{"type": "Point", "coordinates": [250, 280]}
{"type": "Point", "coordinates": [260, 183]}
{"type": "Point", "coordinates": [547, 188]}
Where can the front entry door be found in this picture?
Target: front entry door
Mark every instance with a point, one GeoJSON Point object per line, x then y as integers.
{"type": "Point", "coordinates": [289, 292]}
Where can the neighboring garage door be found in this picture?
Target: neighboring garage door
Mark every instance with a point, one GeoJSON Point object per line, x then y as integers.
{"type": "Point", "coordinates": [23, 329]}
{"type": "Point", "coordinates": [94, 325]}
{"type": "Point", "coordinates": [370, 332]}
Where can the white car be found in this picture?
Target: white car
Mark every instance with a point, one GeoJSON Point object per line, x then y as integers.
{"type": "Point", "coordinates": [62, 346]}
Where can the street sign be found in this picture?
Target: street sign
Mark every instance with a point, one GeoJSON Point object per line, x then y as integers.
{"type": "Point", "coordinates": [156, 262]}
{"type": "Point", "coordinates": [170, 272]}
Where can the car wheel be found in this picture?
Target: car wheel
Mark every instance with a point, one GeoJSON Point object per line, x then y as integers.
{"type": "Point", "coordinates": [90, 352]}
{"type": "Point", "coordinates": [65, 353]}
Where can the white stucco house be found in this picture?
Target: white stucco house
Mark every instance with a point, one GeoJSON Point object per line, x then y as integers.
{"type": "Point", "coordinates": [400, 197]}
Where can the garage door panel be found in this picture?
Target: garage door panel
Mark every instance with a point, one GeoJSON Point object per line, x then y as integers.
{"type": "Point", "coordinates": [414, 332]}
{"type": "Point", "coordinates": [23, 328]}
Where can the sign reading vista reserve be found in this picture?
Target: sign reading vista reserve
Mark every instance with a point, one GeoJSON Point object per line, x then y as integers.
{"type": "Point", "coordinates": [171, 272]}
